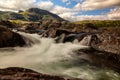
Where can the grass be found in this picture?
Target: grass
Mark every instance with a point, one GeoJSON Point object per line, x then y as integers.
{"type": "Point", "coordinates": [24, 13]}
{"type": "Point", "coordinates": [100, 23]}
{"type": "Point", "coordinates": [18, 22]}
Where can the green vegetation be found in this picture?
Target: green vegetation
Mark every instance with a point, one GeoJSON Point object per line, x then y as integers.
{"type": "Point", "coordinates": [32, 14]}
{"type": "Point", "coordinates": [17, 22]}
{"type": "Point", "coordinates": [100, 23]}
{"type": "Point", "coordinates": [24, 13]}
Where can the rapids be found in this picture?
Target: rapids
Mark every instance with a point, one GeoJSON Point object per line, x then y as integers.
{"type": "Point", "coordinates": [47, 56]}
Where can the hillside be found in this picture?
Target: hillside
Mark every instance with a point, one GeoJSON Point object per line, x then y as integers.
{"type": "Point", "coordinates": [32, 14]}
{"type": "Point", "coordinates": [99, 23]}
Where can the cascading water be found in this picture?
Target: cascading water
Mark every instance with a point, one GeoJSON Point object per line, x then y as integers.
{"type": "Point", "coordinates": [46, 56]}
{"type": "Point", "coordinates": [86, 40]}
{"type": "Point", "coordinates": [30, 40]}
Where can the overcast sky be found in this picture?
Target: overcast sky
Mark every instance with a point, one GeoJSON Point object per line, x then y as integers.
{"type": "Point", "coordinates": [73, 10]}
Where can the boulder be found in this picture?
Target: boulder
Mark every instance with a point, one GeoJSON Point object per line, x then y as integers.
{"type": "Point", "coordinates": [109, 40]}
{"type": "Point", "coordinates": [53, 32]}
{"type": "Point", "coordinates": [99, 58]}
{"type": "Point", "coordinates": [16, 73]}
{"type": "Point", "coordinates": [9, 38]}
{"type": "Point", "coordinates": [8, 24]}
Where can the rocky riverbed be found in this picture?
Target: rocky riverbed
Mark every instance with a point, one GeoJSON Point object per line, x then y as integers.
{"type": "Point", "coordinates": [103, 51]}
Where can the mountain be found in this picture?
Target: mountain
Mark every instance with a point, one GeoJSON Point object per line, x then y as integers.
{"type": "Point", "coordinates": [32, 14]}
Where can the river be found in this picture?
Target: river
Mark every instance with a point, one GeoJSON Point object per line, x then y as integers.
{"type": "Point", "coordinates": [46, 56]}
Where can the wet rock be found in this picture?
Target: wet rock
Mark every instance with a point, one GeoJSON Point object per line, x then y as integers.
{"type": "Point", "coordinates": [107, 39]}
{"type": "Point", "coordinates": [53, 32]}
{"type": "Point", "coordinates": [81, 37]}
{"type": "Point", "coordinates": [100, 58]}
{"type": "Point", "coordinates": [15, 73]}
{"type": "Point", "coordinates": [9, 38]}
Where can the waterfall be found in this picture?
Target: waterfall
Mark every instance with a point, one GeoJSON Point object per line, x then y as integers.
{"type": "Point", "coordinates": [86, 41]}
{"type": "Point", "coordinates": [47, 56]}
{"type": "Point", "coordinates": [60, 39]}
{"type": "Point", "coordinates": [30, 39]}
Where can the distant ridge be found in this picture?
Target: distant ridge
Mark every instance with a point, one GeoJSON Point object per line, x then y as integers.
{"type": "Point", "coordinates": [32, 14]}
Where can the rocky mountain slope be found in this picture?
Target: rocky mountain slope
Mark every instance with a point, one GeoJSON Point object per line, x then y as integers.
{"type": "Point", "coordinates": [32, 14]}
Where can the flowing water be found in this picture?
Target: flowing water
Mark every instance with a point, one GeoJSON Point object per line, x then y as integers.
{"type": "Point", "coordinates": [46, 56]}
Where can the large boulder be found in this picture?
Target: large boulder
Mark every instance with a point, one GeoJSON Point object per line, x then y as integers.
{"type": "Point", "coordinates": [9, 38]}
{"type": "Point", "coordinates": [109, 40]}
{"type": "Point", "coordinates": [99, 58]}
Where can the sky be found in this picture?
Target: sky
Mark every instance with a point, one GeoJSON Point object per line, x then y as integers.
{"type": "Point", "coordinates": [72, 10]}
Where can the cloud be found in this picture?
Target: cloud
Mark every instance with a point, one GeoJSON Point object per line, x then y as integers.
{"type": "Point", "coordinates": [16, 4]}
{"type": "Point", "coordinates": [64, 12]}
{"type": "Point", "coordinates": [68, 3]}
{"type": "Point", "coordinates": [99, 4]}
{"type": "Point", "coordinates": [65, 1]}
{"type": "Point", "coordinates": [71, 14]}
{"type": "Point", "coordinates": [114, 14]}
{"type": "Point", "coordinates": [68, 15]}
{"type": "Point", "coordinates": [60, 10]}
{"type": "Point", "coordinates": [91, 17]}
{"type": "Point", "coordinates": [77, 6]}
{"type": "Point", "coordinates": [86, 17]}
{"type": "Point", "coordinates": [46, 5]}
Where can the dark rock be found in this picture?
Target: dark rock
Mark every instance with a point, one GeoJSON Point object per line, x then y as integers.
{"type": "Point", "coordinates": [15, 16]}
{"type": "Point", "coordinates": [106, 39]}
{"type": "Point", "coordinates": [100, 58]}
{"type": "Point", "coordinates": [53, 32]}
{"type": "Point", "coordinates": [15, 73]}
{"type": "Point", "coordinates": [31, 26]}
{"type": "Point", "coordinates": [20, 11]}
{"type": "Point", "coordinates": [63, 31]}
{"type": "Point", "coordinates": [71, 36]}
{"type": "Point", "coordinates": [110, 40]}
{"type": "Point", "coordinates": [8, 24]}
{"type": "Point", "coordinates": [80, 36]}
{"type": "Point", "coordinates": [90, 26]}
{"type": "Point", "coordinates": [9, 38]}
